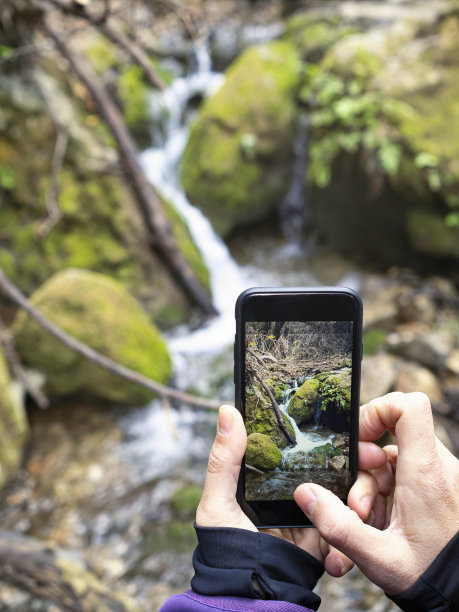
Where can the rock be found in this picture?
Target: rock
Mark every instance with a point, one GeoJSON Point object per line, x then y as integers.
{"type": "Point", "coordinates": [262, 453]}
{"type": "Point", "coordinates": [185, 501]}
{"type": "Point", "coordinates": [237, 160]}
{"type": "Point", "coordinates": [412, 377]}
{"type": "Point", "coordinates": [260, 416]}
{"type": "Point", "coordinates": [303, 405]}
{"type": "Point", "coordinates": [338, 463]}
{"type": "Point", "coordinates": [335, 392]}
{"type": "Point", "coordinates": [378, 376]}
{"type": "Point", "coordinates": [430, 349]}
{"type": "Point", "coordinates": [319, 455]}
{"type": "Point", "coordinates": [452, 362]}
{"type": "Point", "coordinates": [340, 440]}
{"type": "Point", "coordinates": [13, 426]}
{"type": "Point", "coordinates": [100, 312]}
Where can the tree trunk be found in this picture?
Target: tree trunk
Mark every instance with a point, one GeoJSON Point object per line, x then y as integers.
{"type": "Point", "coordinates": [161, 237]}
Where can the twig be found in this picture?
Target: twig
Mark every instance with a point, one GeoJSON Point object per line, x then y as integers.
{"type": "Point", "coordinates": [254, 469]}
{"type": "Point", "coordinates": [167, 410]}
{"type": "Point", "coordinates": [17, 369]}
{"type": "Point", "coordinates": [16, 296]}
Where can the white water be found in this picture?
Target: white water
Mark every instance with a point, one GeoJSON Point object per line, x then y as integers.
{"type": "Point", "coordinates": [305, 440]}
{"type": "Point", "coordinates": [161, 165]}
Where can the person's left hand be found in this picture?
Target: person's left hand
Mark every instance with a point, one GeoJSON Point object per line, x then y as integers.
{"type": "Point", "coordinates": [219, 508]}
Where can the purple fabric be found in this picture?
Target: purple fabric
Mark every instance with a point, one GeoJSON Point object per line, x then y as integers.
{"type": "Point", "coordinates": [193, 602]}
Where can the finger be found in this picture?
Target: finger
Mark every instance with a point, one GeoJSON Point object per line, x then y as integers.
{"type": "Point", "coordinates": [385, 477]}
{"type": "Point", "coordinates": [340, 526]}
{"type": "Point", "coordinates": [363, 494]}
{"type": "Point", "coordinates": [219, 495]}
{"type": "Point", "coordinates": [371, 456]}
{"type": "Point", "coordinates": [408, 415]}
{"type": "Point", "coordinates": [337, 564]}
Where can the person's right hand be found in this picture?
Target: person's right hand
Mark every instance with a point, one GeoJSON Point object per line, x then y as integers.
{"type": "Point", "coordinates": [411, 530]}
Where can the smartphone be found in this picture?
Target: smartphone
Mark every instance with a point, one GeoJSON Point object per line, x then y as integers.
{"type": "Point", "coordinates": [297, 378]}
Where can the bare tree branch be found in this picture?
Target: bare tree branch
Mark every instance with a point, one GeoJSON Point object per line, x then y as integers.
{"type": "Point", "coordinates": [277, 410]}
{"type": "Point", "coordinates": [52, 195]}
{"type": "Point", "coordinates": [16, 296]}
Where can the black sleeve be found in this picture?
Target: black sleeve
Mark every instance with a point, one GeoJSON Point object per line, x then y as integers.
{"type": "Point", "coordinates": [230, 561]}
{"type": "Point", "coordinates": [437, 590]}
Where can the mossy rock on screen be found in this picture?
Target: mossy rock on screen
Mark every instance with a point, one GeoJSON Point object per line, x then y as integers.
{"type": "Point", "coordinates": [262, 453]}
{"type": "Point", "coordinates": [101, 313]}
{"type": "Point", "coordinates": [236, 163]}
{"type": "Point", "coordinates": [13, 426]}
{"type": "Point", "coordinates": [260, 417]}
{"type": "Point", "coordinates": [303, 405]}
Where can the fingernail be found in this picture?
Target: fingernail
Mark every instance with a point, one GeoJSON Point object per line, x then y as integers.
{"type": "Point", "coordinates": [309, 499]}
{"type": "Point", "coordinates": [366, 504]}
{"type": "Point", "coordinates": [225, 420]}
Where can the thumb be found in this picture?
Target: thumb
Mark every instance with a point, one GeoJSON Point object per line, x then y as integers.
{"type": "Point", "coordinates": [218, 506]}
{"type": "Point", "coordinates": [342, 528]}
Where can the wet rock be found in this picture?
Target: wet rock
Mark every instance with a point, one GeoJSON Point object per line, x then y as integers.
{"type": "Point", "coordinates": [318, 456]}
{"type": "Point", "coordinates": [338, 464]}
{"type": "Point", "coordinates": [262, 453]}
{"type": "Point", "coordinates": [236, 164]}
{"type": "Point", "coordinates": [412, 377]}
{"type": "Point", "coordinates": [340, 440]}
{"type": "Point", "coordinates": [303, 405]}
{"type": "Point", "coordinates": [13, 426]}
{"type": "Point", "coordinates": [100, 312]}
{"type": "Point", "coordinates": [378, 376]}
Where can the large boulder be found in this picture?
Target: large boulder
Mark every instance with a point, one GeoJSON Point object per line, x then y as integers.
{"type": "Point", "coordinates": [13, 426]}
{"type": "Point", "coordinates": [262, 453]}
{"type": "Point", "coordinates": [303, 405]}
{"type": "Point", "coordinates": [236, 164]}
{"type": "Point", "coordinates": [336, 400]}
{"type": "Point", "coordinates": [101, 313]}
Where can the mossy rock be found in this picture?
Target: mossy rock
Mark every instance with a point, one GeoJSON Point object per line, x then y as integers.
{"type": "Point", "coordinates": [101, 313]}
{"type": "Point", "coordinates": [236, 163]}
{"type": "Point", "coordinates": [260, 417]}
{"type": "Point", "coordinates": [185, 501]}
{"type": "Point", "coordinates": [319, 455]}
{"type": "Point", "coordinates": [336, 400]}
{"type": "Point", "coordinates": [13, 426]}
{"type": "Point", "coordinates": [303, 405]}
{"type": "Point", "coordinates": [262, 453]}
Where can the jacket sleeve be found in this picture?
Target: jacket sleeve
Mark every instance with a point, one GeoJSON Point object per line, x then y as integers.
{"type": "Point", "coordinates": [437, 590]}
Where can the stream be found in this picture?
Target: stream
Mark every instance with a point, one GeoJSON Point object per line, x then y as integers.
{"type": "Point", "coordinates": [99, 481]}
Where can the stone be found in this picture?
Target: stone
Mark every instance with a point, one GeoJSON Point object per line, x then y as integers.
{"type": "Point", "coordinates": [236, 164]}
{"type": "Point", "coordinates": [262, 453]}
{"type": "Point", "coordinates": [303, 405]}
{"type": "Point", "coordinates": [101, 313]}
{"type": "Point", "coordinates": [378, 376]}
{"type": "Point", "coordinates": [413, 377]}
{"type": "Point", "coordinates": [340, 440]}
{"type": "Point", "coordinates": [431, 349]}
{"type": "Point", "coordinates": [452, 362]}
{"type": "Point", "coordinates": [13, 426]}
{"type": "Point", "coordinates": [339, 463]}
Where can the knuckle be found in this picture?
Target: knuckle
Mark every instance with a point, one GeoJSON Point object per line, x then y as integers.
{"type": "Point", "coordinates": [216, 461]}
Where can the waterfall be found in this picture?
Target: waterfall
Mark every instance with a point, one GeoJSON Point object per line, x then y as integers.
{"type": "Point", "coordinates": [161, 165]}
{"type": "Point", "coordinates": [293, 210]}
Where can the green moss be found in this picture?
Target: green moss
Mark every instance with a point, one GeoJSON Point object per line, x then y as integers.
{"type": "Point", "coordinates": [13, 427]}
{"type": "Point", "coordinates": [373, 340]}
{"type": "Point", "coordinates": [262, 453]}
{"type": "Point", "coordinates": [319, 455]}
{"type": "Point", "coordinates": [134, 97]}
{"type": "Point", "coordinates": [260, 417]}
{"type": "Point", "coordinates": [185, 501]}
{"type": "Point", "coordinates": [100, 312]}
{"type": "Point", "coordinates": [102, 54]}
{"type": "Point", "coordinates": [235, 163]}
{"type": "Point", "coordinates": [336, 392]}
{"type": "Point", "coordinates": [302, 406]}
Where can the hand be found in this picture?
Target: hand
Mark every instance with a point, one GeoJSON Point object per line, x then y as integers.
{"type": "Point", "coordinates": [424, 514]}
{"type": "Point", "coordinates": [219, 508]}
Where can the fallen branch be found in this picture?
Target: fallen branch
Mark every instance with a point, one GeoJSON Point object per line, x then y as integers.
{"type": "Point", "coordinates": [16, 296]}
{"type": "Point", "coordinates": [160, 230]}
{"type": "Point", "coordinates": [277, 410]}
{"type": "Point", "coordinates": [135, 51]}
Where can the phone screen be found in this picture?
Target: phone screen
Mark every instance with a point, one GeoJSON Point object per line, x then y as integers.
{"type": "Point", "coordinates": [297, 406]}
{"type": "Point", "coordinates": [297, 376]}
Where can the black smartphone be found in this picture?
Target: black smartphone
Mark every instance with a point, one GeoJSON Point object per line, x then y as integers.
{"type": "Point", "coordinates": [297, 377]}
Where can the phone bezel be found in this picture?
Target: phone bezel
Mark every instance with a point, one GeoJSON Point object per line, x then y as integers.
{"type": "Point", "coordinates": [296, 304]}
